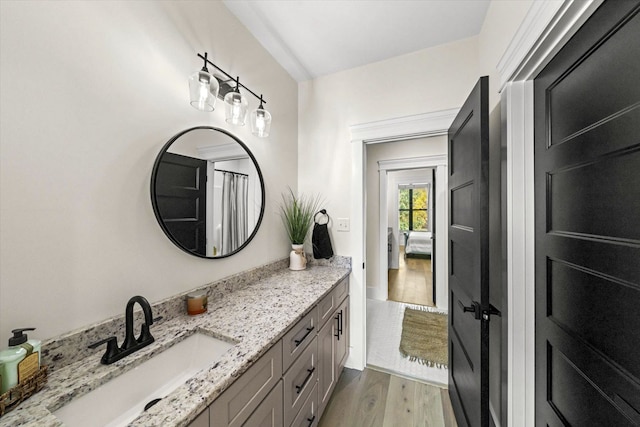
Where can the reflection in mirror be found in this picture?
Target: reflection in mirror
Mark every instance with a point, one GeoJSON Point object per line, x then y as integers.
{"type": "Point", "coordinates": [207, 192]}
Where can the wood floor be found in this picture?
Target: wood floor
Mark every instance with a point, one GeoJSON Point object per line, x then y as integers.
{"type": "Point", "coordinates": [376, 399]}
{"type": "Point", "coordinates": [411, 283]}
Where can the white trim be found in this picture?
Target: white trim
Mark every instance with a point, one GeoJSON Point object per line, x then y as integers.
{"type": "Point", "coordinates": [221, 152]}
{"type": "Point", "coordinates": [401, 128]}
{"type": "Point", "coordinates": [381, 291]}
{"type": "Point", "coordinates": [538, 17]}
{"type": "Point", "coordinates": [517, 71]}
{"type": "Point", "coordinates": [413, 162]}
{"type": "Point", "coordinates": [547, 26]}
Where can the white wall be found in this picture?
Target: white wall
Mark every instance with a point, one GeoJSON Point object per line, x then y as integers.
{"type": "Point", "coordinates": [428, 80]}
{"type": "Point", "coordinates": [90, 93]}
{"type": "Point", "coordinates": [500, 24]}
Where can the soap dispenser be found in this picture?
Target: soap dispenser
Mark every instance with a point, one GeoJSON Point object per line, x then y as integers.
{"type": "Point", "coordinates": [9, 359]}
{"type": "Point", "coordinates": [20, 360]}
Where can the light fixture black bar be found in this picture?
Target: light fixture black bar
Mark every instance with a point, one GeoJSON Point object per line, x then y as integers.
{"type": "Point", "coordinates": [230, 77]}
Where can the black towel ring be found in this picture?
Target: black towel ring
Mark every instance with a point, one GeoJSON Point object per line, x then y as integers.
{"type": "Point", "coordinates": [323, 212]}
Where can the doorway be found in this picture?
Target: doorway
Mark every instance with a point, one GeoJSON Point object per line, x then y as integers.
{"type": "Point", "coordinates": [391, 173]}
{"type": "Point", "coordinates": [410, 236]}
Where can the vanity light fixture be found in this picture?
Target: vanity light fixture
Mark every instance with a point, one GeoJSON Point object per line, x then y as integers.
{"type": "Point", "coordinates": [236, 105]}
{"type": "Point", "coordinates": [205, 87]}
{"type": "Point", "coordinates": [260, 121]}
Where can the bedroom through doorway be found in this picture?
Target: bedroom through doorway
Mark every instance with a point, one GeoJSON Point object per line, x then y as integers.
{"type": "Point", "coordinates": [410, 276]}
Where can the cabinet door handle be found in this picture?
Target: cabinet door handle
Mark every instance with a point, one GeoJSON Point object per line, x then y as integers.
{"type": "Point", "coordinates": [309, 330]}
{"type": "Point", "coordinates": [339, 319]}
{"type": "Point", "coordinates": [306, 380]}
{"type": "Point", "coordinates": [311, 420]}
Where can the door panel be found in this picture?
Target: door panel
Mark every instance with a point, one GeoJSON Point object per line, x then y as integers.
{"type": "Point", "coordinates": [469, 259]}
{"type": "Point", "coordinates": [181, 199]}
{"type": "Point", "coordinates": [587, 195]}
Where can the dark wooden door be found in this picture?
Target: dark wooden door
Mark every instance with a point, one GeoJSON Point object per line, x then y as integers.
{"type": "Point", "coordinates": [181, 199]}
{"type": "Point", "coordinates": [587, 197]}
{"type": "Point", "coordinates": [468, 196]}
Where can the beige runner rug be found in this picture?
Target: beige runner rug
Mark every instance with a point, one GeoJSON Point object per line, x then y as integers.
{"type": "Point", "coordinates": [424, 337]}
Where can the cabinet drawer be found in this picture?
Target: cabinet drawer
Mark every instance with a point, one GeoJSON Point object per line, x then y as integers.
{"type": "Point", "coordinates": [237, 403]}
{"type": "Point", "coordinates": [329, 303]}
{"type": "Point", "coordinates": [299, 381]}
{"type": "Point", "coordinates": [308, 415]}
{"type": "Point", "coordinates": [269, 412]}
{"type": "Point", "coordinates": [298, 338]}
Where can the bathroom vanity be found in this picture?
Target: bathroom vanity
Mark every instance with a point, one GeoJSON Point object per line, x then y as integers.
{"type": "Point", "coordinates": [289, 337]}
{"type": "Point", "coordinates": [291, 384]}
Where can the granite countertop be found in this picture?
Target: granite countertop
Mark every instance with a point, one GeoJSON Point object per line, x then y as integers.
{"type": "Point", "coordinates": [254, 318]}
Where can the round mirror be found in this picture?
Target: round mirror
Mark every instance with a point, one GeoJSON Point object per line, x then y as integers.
{"type": "Point", "coordinates": [207, 192]}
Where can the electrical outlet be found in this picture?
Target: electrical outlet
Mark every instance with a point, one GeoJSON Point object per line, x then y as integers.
{"type": "Point", "coordinates": [343, 224]}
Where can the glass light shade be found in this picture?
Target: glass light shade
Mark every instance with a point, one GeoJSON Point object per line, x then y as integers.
{"type": "Point", "coordinates": [236, 107]}
{"type": "Point", "coordinates": [260, 122]}
{"type": "Point", "coordinates": [203, 88]}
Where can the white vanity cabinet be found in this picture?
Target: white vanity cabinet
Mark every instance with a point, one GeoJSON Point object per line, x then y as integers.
{"type": "Point", "coordinates": [291, 383]}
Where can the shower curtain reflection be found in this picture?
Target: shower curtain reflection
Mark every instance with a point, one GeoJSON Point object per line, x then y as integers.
{"type": "Point", "coordinates": [234, 225]}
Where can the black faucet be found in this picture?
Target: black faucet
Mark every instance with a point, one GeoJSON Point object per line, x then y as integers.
{"type": "Point", "coordinates": [131, 344]}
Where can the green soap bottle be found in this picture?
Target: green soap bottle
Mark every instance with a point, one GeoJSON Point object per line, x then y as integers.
{"type": "Point", "coordinates": [20, 339]}
{"type": "Point", "coordinates": [9, 359]}
{"type": "Point", "coordinates": [19, 348]}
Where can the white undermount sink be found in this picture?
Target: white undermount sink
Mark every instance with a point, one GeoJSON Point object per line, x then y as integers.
{"type": "Point", "coordinates": [122, 399]}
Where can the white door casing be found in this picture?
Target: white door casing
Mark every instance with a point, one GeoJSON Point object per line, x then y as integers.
{"type": "Point", "coordinates": [439, 162]}
{"type": "Point", "coordinates": [402, 128]}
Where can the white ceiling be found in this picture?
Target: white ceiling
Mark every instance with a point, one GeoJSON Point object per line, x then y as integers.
{"type": "Point", "coordinates": [312, 38]}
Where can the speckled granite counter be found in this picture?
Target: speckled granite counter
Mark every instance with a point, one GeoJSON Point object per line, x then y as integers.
{"type": "Point", "coordinates": [254, 316]}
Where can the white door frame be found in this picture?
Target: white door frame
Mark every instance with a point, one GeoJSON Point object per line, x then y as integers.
{"type": "Point", "coordinates": [402, 128]}
{"type": "Point", "coordinates": [439, 163]}
{"type": "Point", "coordinates": [546, 28]}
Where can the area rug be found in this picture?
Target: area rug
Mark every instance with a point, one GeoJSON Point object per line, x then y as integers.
{"type": "Point", "coordinates": [424, 337]}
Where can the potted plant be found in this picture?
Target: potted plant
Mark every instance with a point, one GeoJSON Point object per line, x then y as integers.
{"type": "Point", "coordinates": [297, 216]}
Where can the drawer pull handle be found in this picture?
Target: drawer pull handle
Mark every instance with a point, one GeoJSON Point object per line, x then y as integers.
{"type": "Point", "coordinates": [339, 329]}
{"type": "Point", "coordinates": [309, 330]}
{"type": "Point", "coordinates": [311, 420]}
{"type": "Point", "coordinates": [306, 380]}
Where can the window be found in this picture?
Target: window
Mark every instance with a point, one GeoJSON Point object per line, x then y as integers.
{"type": "Point", "coordinates": [413, 208]}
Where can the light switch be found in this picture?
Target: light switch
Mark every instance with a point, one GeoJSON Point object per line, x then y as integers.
{"type": "Point", "coordinates": [343, 224]}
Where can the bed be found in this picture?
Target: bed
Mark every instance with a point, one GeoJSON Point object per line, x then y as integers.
{"type": "Point", "coordinates": [417, 243]}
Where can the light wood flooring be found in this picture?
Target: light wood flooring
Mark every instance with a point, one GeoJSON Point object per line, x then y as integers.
{"type": "Point", "coordinates": [411, 283]}
{"type": "Point", "coordinates": [376, 399]}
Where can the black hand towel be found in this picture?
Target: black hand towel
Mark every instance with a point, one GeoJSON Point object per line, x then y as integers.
{"type": "Point", "coordinates": [320, 238]}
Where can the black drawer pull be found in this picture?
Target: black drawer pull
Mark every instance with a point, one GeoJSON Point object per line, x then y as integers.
{"type": "Point", "coordinates": [339, 329]}
{"type": "Point", "coordinates": [311, 420]}
{"type": "Point", "coordinates": [298, 342]}
{"type": "Point", "coordinates": [306, 380]}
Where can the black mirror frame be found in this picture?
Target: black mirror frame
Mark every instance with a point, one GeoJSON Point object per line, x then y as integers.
{"type": "Point", "coordinates": [154, 201]}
